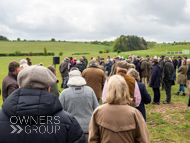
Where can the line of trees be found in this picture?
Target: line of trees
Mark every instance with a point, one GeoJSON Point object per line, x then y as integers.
{"type": "Point", "coordinates": [129, 43]}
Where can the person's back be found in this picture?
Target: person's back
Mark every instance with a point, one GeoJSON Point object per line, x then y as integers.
{"type": "Point", "coordinates": [38, 118]}
{"type": "Point", "coordinates": [34, 115]}
{"type": "Point", "coordinates": [118, 123]}
{"type": "Point", "coordinates": [95, 78]}
{"type": "Point", "coordinates": [80, 102]}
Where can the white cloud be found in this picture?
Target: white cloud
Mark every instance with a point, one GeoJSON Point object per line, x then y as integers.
{"type": "Point", "coordinates": [159, 20]}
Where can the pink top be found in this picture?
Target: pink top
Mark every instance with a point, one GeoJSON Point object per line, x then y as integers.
{"type": "Point", "coordinates": [137, 94]}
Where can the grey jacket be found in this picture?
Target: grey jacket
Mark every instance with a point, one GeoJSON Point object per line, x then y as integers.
{"type": "Point", "coordinates": [80, 101]}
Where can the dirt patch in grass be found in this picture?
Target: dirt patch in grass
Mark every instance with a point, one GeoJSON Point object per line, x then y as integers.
{"type": "Point", "coordinates": [170, 112]}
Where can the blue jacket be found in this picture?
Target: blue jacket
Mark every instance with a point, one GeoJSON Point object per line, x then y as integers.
{"type": "Point", "coordinates": [36, 116]}
{"type": "Point", "coordinates": [155, 76]}
{"type": "Point", "coordinates": [145, 99]}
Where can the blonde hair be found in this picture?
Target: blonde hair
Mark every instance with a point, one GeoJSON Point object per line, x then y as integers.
{"type": "Point", "coordinates": [117, 91]}
{"type": "Point", "coordinates": [134, 73]}
{"type": "Point", "coordinates": [23, 66]}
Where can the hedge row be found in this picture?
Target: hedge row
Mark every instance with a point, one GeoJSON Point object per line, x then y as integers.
{"type": "Point", "coordinates": [26, 54]}
{"type": "Point", "coordinates": [80, 53]}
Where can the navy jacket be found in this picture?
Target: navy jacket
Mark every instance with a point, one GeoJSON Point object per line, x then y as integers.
{"type": "Point", "coordinates": [179, 64]}
{"type": "Point", "coordinates": [155, 76]}
{"type": "Point", "coordinates": [108, 68]}
{"type": "Point", "coordinates": [36, 116]}
{"type": "Point", "coordinates": [145, 99]}
{"type": "Point", "coordinates": [137, 65]}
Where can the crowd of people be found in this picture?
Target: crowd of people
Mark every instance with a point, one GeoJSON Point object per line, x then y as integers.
{"type": "Point", "coordinates": [31, 92]}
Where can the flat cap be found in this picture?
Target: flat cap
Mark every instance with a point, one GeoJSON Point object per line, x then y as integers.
{"type": "Point", "coordinates": [93, 61]}
{"type": "Point", "coordinates": [123, 64]}
{"type": "Point", "coordinates": [36, 77]}
{"type": "Point", "coordinates": [166, 58]}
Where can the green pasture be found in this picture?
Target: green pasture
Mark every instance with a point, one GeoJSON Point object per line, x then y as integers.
{"type": "Point", "coordinates": [166, 123]}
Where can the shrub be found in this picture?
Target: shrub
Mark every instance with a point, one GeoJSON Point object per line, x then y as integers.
{"type": "Point", "coordinates": [106, 51]}
{"type": "Point", "coordinates": [118, 51]}
{"type": "Point", "coordinates": [100, 52]}
{"type": "Point", "coordinates": [60, 53]}
{"type": "Point", "coordinates": [45, 51]}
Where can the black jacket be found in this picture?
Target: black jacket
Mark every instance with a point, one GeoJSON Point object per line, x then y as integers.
{"type": "Point", "coordinates": [155, 76]}
{"type": "Point", "coordinates": [175, 63]}
{"type": "Point", "coordinates": [145, 99]}
{"type": "Point", "coordinates": [36, 116]}
{"type": "Point", "coordinates": [137, 65]}
{"type": "Point", "coordinates": [168, 71]}
{"type": "Point", "coordinates": [179, 64]}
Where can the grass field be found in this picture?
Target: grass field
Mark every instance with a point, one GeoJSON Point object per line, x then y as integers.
{"type": "Point", "coordinates": [166, 123]}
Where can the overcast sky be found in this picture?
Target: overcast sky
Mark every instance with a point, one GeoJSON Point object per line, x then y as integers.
{"type": "Point", "coordinates": [89, 20]}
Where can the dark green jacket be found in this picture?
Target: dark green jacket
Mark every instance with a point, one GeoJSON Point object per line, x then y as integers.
{"type": "Point", "coordinates": [188, 73]}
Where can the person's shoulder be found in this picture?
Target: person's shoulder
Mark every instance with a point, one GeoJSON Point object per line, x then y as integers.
{"type": "Point", "coordinates": [65, 91]}
{"type": "Point", "coordinates": [65, 117]}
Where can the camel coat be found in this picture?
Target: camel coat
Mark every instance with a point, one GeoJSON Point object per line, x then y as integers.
{"type": "Point", "coordinates": [112, 123]}
{"type": "Point", "coordinates": [95, 78]}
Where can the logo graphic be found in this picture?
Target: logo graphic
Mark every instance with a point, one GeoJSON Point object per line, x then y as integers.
{"type": "Point", "coordinates": [38, 125]}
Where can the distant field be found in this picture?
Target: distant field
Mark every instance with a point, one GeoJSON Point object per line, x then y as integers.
{"type": "Point", "coordinates": [166, 123]}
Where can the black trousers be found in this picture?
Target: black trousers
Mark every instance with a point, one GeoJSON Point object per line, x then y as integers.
{"type": "Point", "coordinates": [168, 91]}
{"type": "Point", "coordinates": [156, 94]}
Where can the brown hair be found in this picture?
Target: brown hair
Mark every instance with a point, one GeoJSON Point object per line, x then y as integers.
{"type": "Point", "coordinates": [13, 65]}
{"type": "Point", "coordinates": [52, 69]}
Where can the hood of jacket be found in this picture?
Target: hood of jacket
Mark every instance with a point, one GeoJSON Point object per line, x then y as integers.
{"type": "Point", "coordinates": [76, 81]}
{"type": "Point", "coordinates": [31, 102]}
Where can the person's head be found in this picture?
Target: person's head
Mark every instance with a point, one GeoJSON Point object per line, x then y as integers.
{"type": "Point", "coordinates": [36, 77]}
{"type": "Point", "coordinates": [41, 64]}
{"type": "Point", "coordinates": [134, 58]}
{"type": "Point", "coordinates": [14, 67]}
{"type": "Point", "coordinates": [22, 66]}
{"type": "Point", "coordinates": [52, 69]}
{"type": "Point", "coordinates": [108, 57]}
{"type": "Point", "coordinates": [185, 58]}
{"type": "Point", "coordinates": [122, 65]}
{"type": "Point", "coordinates": [166, 58]}
{"type": "Point", "coordinates": [188, 61]}
{"type": "Point", "coordinates": [107, 61]}
{"type": "Point", "coordinates": [78, 62]}
{"type": "Point", "coordinates": [28, 59]}
{"type": "Point", "coordinates": [75, 79]}
{"type": "Point", "coordinates": [141, 59]}
{"type": "Point", "coordinates": [101, 59]}
{"type": "Point", "coordinates": [184, 62]}
{"type": "Point", "coordinates": [148, 58]}
{"type": "Point", "coordinates": [154, 61]}
{"type": "Point", "coordinates": [128, 60]}
{"type": "Point", "coordinates": [23, 61]}
{"type": "Point", "coordinates": [179, 57]}
{"type": "Point", "coordinates": [93, 62]}
{"type": "Point", "coordinates": [83, 57]}
{"type": "Point", "coordinates": [117, 91]}
{"type": "Point", "coordinates": [66, 59]}
{"type": "Point", "coordinates": [133, 73]}
{"type": "Point", "coordinates": [173, 58]}
{"type": "Point", "coordinates": [116, 59]}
